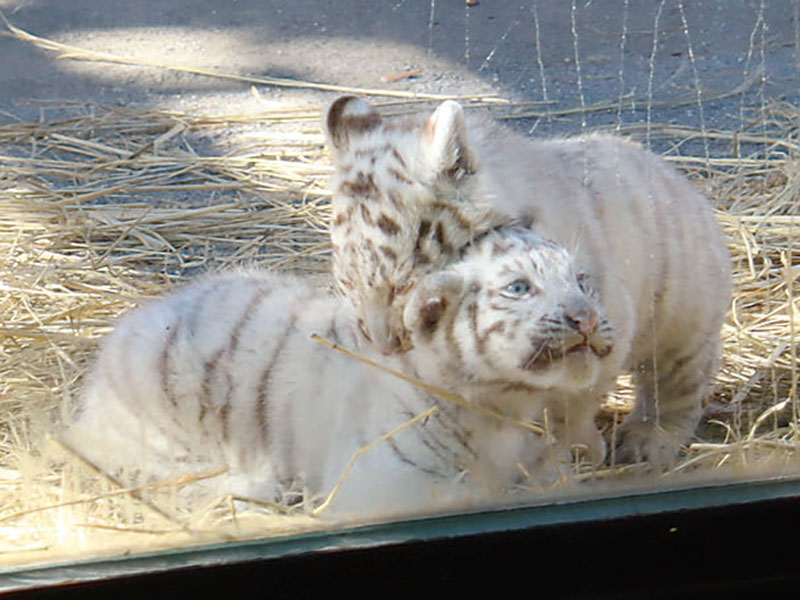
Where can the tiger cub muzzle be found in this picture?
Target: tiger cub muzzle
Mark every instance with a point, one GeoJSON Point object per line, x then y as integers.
{"type": "Point", "coordinates": [579, 330]}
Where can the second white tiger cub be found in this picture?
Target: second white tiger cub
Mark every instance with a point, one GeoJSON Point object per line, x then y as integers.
{"type": "Point", "coordinates": [410, 193]}
{"type": "Point", "coordinates": [224, 374]}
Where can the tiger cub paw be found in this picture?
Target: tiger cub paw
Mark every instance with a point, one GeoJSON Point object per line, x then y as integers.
{"type": "Point", "coordinates": [646, 441]}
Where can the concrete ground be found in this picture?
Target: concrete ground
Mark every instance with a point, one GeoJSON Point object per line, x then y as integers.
{"type": "Point", "coordinates": [572, 54]}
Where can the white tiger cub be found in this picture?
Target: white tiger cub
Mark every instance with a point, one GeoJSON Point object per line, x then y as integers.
{"type": "Point", "coordinates": [410, 192]}
{"type": "Point", "coordinates": [223, 374]}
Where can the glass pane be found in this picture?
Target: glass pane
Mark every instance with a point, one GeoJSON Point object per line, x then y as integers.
{"type": "Point", "coordinates": [174, 142]}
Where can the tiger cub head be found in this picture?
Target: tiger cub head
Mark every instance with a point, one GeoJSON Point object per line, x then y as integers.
{"type": "Point", "coordinates": [514, 309]}
{"type": "Point", "coordinates": [406, 200]}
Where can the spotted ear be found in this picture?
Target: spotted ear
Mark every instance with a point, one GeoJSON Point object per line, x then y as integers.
{"type": "Point", "coordinates": [433, 299]}
{"type": "Point", "coordinates": [346, 117]}
{"type": "Point", "coordinates": [444, 141]}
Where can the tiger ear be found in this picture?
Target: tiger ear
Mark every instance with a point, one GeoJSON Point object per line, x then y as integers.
{"type": "Point", "coordinates": [435, 296]}
{"type": "Point", "coordinates": [444, 141]}
{"type": "Point", "coordinates": [348, 116]}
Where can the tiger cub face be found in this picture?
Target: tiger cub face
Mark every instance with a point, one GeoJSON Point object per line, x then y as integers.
{"type": "Point", "coordinates": [515, 310]}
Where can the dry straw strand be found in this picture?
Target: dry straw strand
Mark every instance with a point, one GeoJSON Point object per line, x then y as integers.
{"type": "Point", "coordinates": [431, 389]}
{"type": "Point", "coordinates": [362, 451]}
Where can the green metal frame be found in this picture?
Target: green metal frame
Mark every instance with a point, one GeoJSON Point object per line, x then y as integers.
{"type": "Point", "coordinates": [399, 532]}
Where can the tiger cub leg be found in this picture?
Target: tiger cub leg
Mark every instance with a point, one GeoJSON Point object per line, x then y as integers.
{"type": "Point", "coordinates": [571, 423]}
{"type": "Point", "coordinates": [669, 398]}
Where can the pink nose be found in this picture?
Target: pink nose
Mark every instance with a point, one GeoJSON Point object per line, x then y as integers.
{"type": "Point", "coordinates": [584, 321]}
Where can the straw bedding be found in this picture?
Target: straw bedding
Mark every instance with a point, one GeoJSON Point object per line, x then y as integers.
{"type": "Point", "coordinates": [101, 207]}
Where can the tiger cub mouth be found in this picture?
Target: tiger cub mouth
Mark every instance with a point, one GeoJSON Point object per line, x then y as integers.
{"type": "Point", "coordinates": [550, 352]}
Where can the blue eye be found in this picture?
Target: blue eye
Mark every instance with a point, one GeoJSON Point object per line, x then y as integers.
{"type": "Point", "coordinates": [518, 287]}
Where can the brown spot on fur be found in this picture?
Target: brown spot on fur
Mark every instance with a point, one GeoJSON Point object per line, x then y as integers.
{"type": "Point", "coordinates": [398, 157]}
{"type": "Point", "coordinates": [421, 258]}
{"type": "Point", "coordinates": [366, 215]}
{"type": "Point", "coordinates": [520, 387]}
{"type": "Point", "coordinates": [388, 253]}
{"type": "Point", "coordinates": [403, 286]}
{"type": "Point", "coordinates": [472, 312]}
{"type": "Point", "coordinates": [424, 228]}
{"type": "Point", "coordinates": [462, 166]}
{"type": "Point", "coordinates": [387, 225]}
{"type": "Point", "coordinates": [460, 219]}
{"type": "Point", "coordinates": [402, 178]}
{"type": "Point", "coordinates": [342, 127]}
{"type": "Point", "coordinates": [404, 340]}
{"type": "Point", "coordinates": [362, 327]}
{"type": "Point", "coordinates": [397, 345]}
{"type": "Point", "coordinates": [396, 199]}
{"type": "Point", "coordinates": [441, 239]}
{"type": "Point", "coordinates": [373, 151]}
{"type": "Point", "coordinates": [431, 313]}
{"type": "Point", "coordinates": [453, 345]}
{"type": "Point", "coordinates": [224, 415]}
{"type": "Point", "coordinates": [498, 326]}
{"type": "Point", "coordinates": [340, 219]}
{"type": "Point", "coordinates": [363, 185]}
{"type": "Point", "coordinates": [498, 307]}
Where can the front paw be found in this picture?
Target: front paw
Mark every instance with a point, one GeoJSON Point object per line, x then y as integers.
{"type": "Point", "coordinates": [646, 441]}
{"type": "Point", "coordinates": [589, 447]}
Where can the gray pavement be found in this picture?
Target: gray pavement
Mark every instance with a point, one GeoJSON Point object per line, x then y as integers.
{"type": "Point", "coordinates": [671, 51]}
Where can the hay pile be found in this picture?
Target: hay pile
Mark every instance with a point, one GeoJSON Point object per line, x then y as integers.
{"type": "Point", "coordinates": [97, 211]}
{"type": "Point", "coordinates": [103, 206]}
